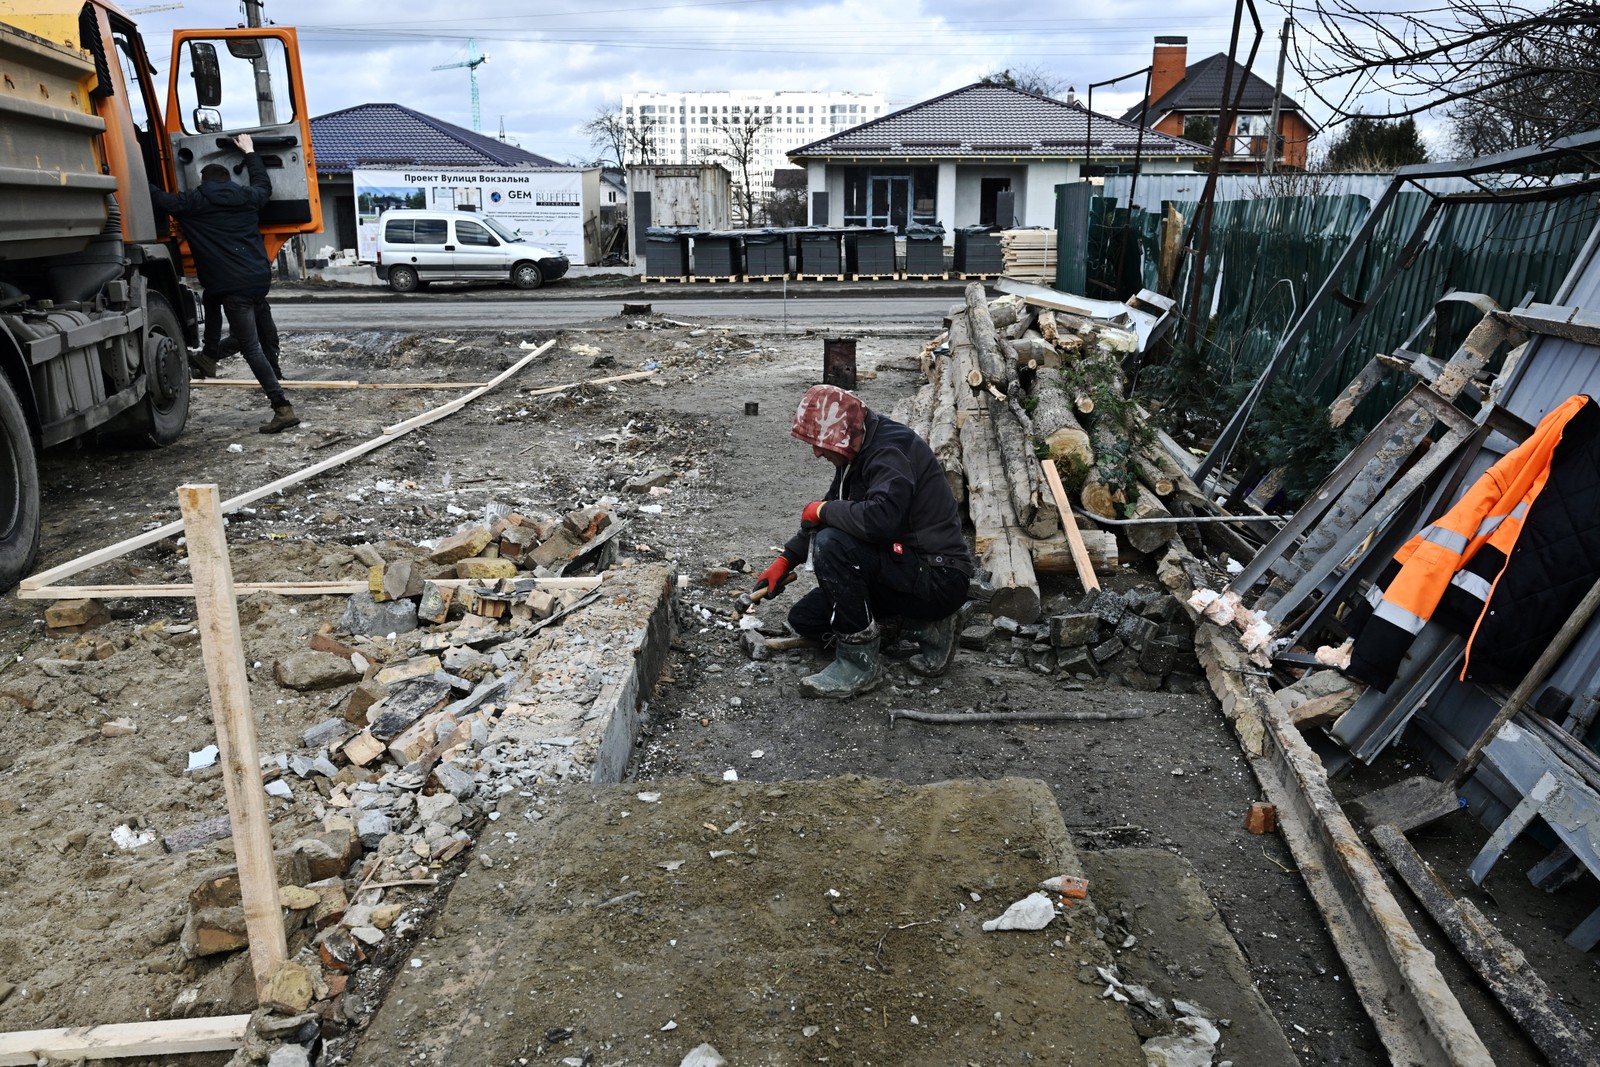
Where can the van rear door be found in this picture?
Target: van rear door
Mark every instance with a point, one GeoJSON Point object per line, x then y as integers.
{"type": "Point", "coordinates": [247, 80]}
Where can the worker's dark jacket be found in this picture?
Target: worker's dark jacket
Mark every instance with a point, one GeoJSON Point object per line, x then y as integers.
{"type": "Point", "coordinates": [893, 492]}
{"type": "Point", "coordinates": [1505, 566]}
{"type": "Point", "coordinates": [221, 222]}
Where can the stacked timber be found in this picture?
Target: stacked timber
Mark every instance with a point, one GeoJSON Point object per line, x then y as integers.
{"type": "Point", "coordinates": [1009, 383]}
{"type": "Point", "coordinates": [1029, 255]}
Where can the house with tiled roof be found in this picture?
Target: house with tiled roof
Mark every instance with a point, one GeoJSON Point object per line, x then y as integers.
{"type": "Point", "coordinates": [967, 157]}
{"type": "Point", "coordinates": [370, 139]}
{"type": "Point", "coordinates": [1186, 101]}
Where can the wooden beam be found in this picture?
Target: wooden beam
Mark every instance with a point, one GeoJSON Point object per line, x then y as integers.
{"type": "Point", "coordinates": [150, 537]}
{"type": "Point", "coordinates": [1502, 966]}
{"type": "Point", "coordinates": [1069, 523]}
{"type": "Point", "coordinates": [171, 1037]}
{"type": "Point", "coordinates": [340, 383]}
{"type": "Point", "coordinates": [339, 588]}
{"type": "Point", "coordinates": [217, 612]}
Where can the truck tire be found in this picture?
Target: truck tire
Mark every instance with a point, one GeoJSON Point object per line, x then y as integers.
{"type": "Point", "coordinates": [159, 418]}
{"type": "Point", "coordinates": [19, 492]}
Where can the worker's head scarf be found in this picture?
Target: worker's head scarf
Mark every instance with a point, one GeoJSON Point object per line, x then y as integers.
{"type": "Point", "coordinates": [831, 418]}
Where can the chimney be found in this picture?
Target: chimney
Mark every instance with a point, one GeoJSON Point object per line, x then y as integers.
{"type": "Point", "coordinates": [1167, 65]}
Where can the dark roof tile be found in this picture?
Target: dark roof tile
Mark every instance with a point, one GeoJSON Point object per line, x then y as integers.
{"type": "Point", "coordinates": [984, 119]}
{"type": "Point", "coordinates": [389, 135]}
{"type": "Point", "coordinates": [1201, 90]}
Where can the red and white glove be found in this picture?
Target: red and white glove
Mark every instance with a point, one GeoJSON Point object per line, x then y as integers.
{"type": "Point", "coordinates": [811, 514]}
{"type": "Point", "coordinates": [773, 577]}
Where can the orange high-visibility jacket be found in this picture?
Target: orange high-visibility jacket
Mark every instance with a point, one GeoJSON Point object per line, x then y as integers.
{"type": "Point", "coordinates": [1451, 570]}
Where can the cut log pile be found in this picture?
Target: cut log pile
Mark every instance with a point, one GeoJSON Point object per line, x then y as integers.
{"type": "Point", "coordinates": [1029, 255]}
{"type": "Point", "coordinates": [1010, 383]}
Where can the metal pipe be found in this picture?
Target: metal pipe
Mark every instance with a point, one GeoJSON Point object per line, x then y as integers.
{"type": "Point", "coordinates": [1186, 520]}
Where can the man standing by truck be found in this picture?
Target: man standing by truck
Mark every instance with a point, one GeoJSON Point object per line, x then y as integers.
{"type": "Point", "coordinates": [221, 221]}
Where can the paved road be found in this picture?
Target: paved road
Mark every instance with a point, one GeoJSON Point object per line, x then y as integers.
{"type": "Point", "coordinates": [433, 313]}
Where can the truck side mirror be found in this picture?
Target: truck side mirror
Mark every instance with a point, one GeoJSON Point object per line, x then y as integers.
{"type": "Point", "coordinates": [207, 73]}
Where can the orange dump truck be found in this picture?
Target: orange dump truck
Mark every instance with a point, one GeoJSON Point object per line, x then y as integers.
{"type": "Point", "coordinates": [95, 322]}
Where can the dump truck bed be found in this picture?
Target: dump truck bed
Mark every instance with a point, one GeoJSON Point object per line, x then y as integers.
{"type": "Point", "coordinates": [52, 189]}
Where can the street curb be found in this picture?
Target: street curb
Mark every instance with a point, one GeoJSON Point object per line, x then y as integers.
{"type": "Point", "coordinates": [800, 291]}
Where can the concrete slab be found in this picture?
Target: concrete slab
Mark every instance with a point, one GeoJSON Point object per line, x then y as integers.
{"type": "Point", "coordinates": [835, 921]}
{"type": "Point", "coordinates": [1184, 949]}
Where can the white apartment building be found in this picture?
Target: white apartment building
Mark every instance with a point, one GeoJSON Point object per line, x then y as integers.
{"type": "Point", "coordinates": [685, 127]}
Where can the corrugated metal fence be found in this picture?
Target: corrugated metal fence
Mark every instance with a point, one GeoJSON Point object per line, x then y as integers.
{"type": "Point", "coordinates": [1268, 256]}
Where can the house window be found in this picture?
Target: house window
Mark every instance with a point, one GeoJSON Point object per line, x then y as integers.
{"type": "Point", "coordinates": [1202, 129]}
{"type": "Point", "coordinates": [890, 196]}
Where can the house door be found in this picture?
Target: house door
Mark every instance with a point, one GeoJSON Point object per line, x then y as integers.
{"type": "Point", "coordinates": [988, 195]}
{"type": "Point", "coordinates": [889, 201]}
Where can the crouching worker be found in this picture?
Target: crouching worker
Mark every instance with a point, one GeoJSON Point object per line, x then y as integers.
{"type": "Point", "coordinates": [886, 543]}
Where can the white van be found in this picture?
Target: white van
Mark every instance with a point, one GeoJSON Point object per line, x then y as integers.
{"type": "Point", "coordinates": [417, 247]}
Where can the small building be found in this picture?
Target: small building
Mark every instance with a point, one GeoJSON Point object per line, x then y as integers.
{"type": "Point", "coordinates": [374, 156]}
{"type": "Point", "coordinates": [983, 154]}
{"type": "Point", "coordinates": [1186, 101]}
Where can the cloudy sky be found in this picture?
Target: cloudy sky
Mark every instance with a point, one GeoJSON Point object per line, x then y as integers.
{"type": "Point", "coordinates": [553, 64]}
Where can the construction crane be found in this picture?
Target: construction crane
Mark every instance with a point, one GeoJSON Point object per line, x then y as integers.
{"type": "Point", "coordinates": [473, 61]}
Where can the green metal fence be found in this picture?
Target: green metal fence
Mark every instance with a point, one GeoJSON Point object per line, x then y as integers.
{"type": "Point", "coordinates": [1268, 256]}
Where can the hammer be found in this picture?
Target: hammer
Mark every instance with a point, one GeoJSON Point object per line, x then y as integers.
{"type": "Point", "coordinates": [746, 601]}
{"type": "Point", "coordinates": [759, 648]}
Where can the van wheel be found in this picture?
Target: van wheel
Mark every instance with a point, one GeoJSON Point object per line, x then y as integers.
{"type": "Point", "coordinates": [526, 276]}
{"type": "Point", "coordinates": [19, 492]}
{"type": "Point", "coordinates": [403, 279]}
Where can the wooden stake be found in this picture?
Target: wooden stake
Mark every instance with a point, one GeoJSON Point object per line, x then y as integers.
{"type": "Point", "coordinates": [340, 383]}
{"type": "Point", "coordinates": [169, 1037]}
{"type": "Point", "coordinates": [217, 612]}
{"type": "Point", "coordinates": [1069, 523]}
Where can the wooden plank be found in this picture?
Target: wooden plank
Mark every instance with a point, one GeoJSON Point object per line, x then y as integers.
{"type": "Point", "coordinates": [340, 588]}
{"type": "Point", "coordinates": [169, 1037]}
{"type": "Point", "coordinates": [1069, 523]}
{"type": "Point", "coordinates": [1503, 968]}
{"type": "Point", "coordinates": [340, 383]}
{"type": "Point", "coordinates": [216, 611]}
{"type": "Point", "coordinates": [150, 537]}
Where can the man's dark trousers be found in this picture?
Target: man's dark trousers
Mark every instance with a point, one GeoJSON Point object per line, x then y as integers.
{"type": "Point", "coordinates": [858, 583]}
{"type": "Point", "coordinates": [250, 322]}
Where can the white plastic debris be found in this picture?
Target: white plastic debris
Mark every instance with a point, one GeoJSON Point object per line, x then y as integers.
{"type": "Point", "coordinates": [648, 798]}
{"type": "Point", "coordinates": [1032, 912]}
{"type": "Point", "coordinates": [236, 448]}
{"type": "Point", "coordinates": [650, 509]}
{"type": "Point", "coordinates": [670, 865]}
{"type": "Point", "coordinates": [206, 757]}
{"type": "Point", "coordinates": [757, 753]}
{"type": "Point", "coordinates": [730, 775]}
{"type": "Point", "coordinates": [703, 1055]}
{"type": "Point", "coordinates": [671, 1024]}
{"type": "Point", "coordinates": [126, 837]}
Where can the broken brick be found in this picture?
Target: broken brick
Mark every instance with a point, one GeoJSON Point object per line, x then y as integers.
{"type": "Point", "coordinates": [485, 568]}
{"type": "Point", "coordinates": [1261, 818]}
{"type": "Point", "coordinates": [464, 545]}
{"type": "Point", "coordinates": [75, 616]}
{"type": "Point", "coordinates": [435, 604]}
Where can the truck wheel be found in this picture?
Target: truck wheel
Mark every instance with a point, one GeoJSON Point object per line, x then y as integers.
{"type": "Point", "coordinates": [159, 418]}
{"type": "Point", "coordinates": [526, 276]}
{"type": "Point", "coordinates": [19, 492]}
{"type": "Point", "coordinates": [402, 279]}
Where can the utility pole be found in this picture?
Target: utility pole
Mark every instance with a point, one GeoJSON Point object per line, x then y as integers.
{"type": "Point", "coordinates": [1273, 140]}
{"type": "Point", "coordinates": [252, 13]}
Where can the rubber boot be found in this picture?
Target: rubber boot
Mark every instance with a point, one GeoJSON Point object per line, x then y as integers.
{"type": "Point", "coordinates": [937, 638]}
{"type": "Point", "coordinates": [283, 417]}
{"type": "Point", "coordinates": [856, 668]}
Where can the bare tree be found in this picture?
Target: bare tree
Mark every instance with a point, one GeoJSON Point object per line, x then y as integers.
{"type": "Point", "coordinates": [1509, 74]}
{"type": "Point", "coordinates": [609, 135]}
{"type": "Point", "coordinates": [1030, 79]}
{"type": "Point", "coordinates": [742, 134]}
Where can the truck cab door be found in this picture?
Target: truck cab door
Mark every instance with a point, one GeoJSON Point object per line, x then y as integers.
{"type": "Point", "coordinates": [246, 80]}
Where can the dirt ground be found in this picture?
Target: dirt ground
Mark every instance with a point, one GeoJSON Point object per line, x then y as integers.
{"type": "Point", "coordinates": [89, 931]}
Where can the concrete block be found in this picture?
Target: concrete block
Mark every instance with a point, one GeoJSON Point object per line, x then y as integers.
{"type": "Point", "coordinates": [461, 546]}
{"type": "Point", "coordinates": [1074, 630]}
{"type": "Point", "coordinates": [363, 615]}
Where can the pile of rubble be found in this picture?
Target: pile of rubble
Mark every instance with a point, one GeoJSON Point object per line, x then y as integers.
{"type": "Point", "coordinates": [1138, 639]}
{"type": "Point", "coordinates": [456, 689]}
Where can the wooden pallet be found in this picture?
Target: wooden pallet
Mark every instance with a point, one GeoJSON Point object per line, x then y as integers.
{"type": "Point", "coordinates": [977, 277]}
{"type": "Point", "coordinates": [766, 277]}
{"type": "Point", "coordinates": [941, 276]}
{"type": "Point", "coordinates": [715, 278]}
{"type": "Point", "coordinates": [664, 278]}
{"type": "Point", "coordinates": [875, 277]}
{"type": "Point", "coordinates": [819, 277]}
